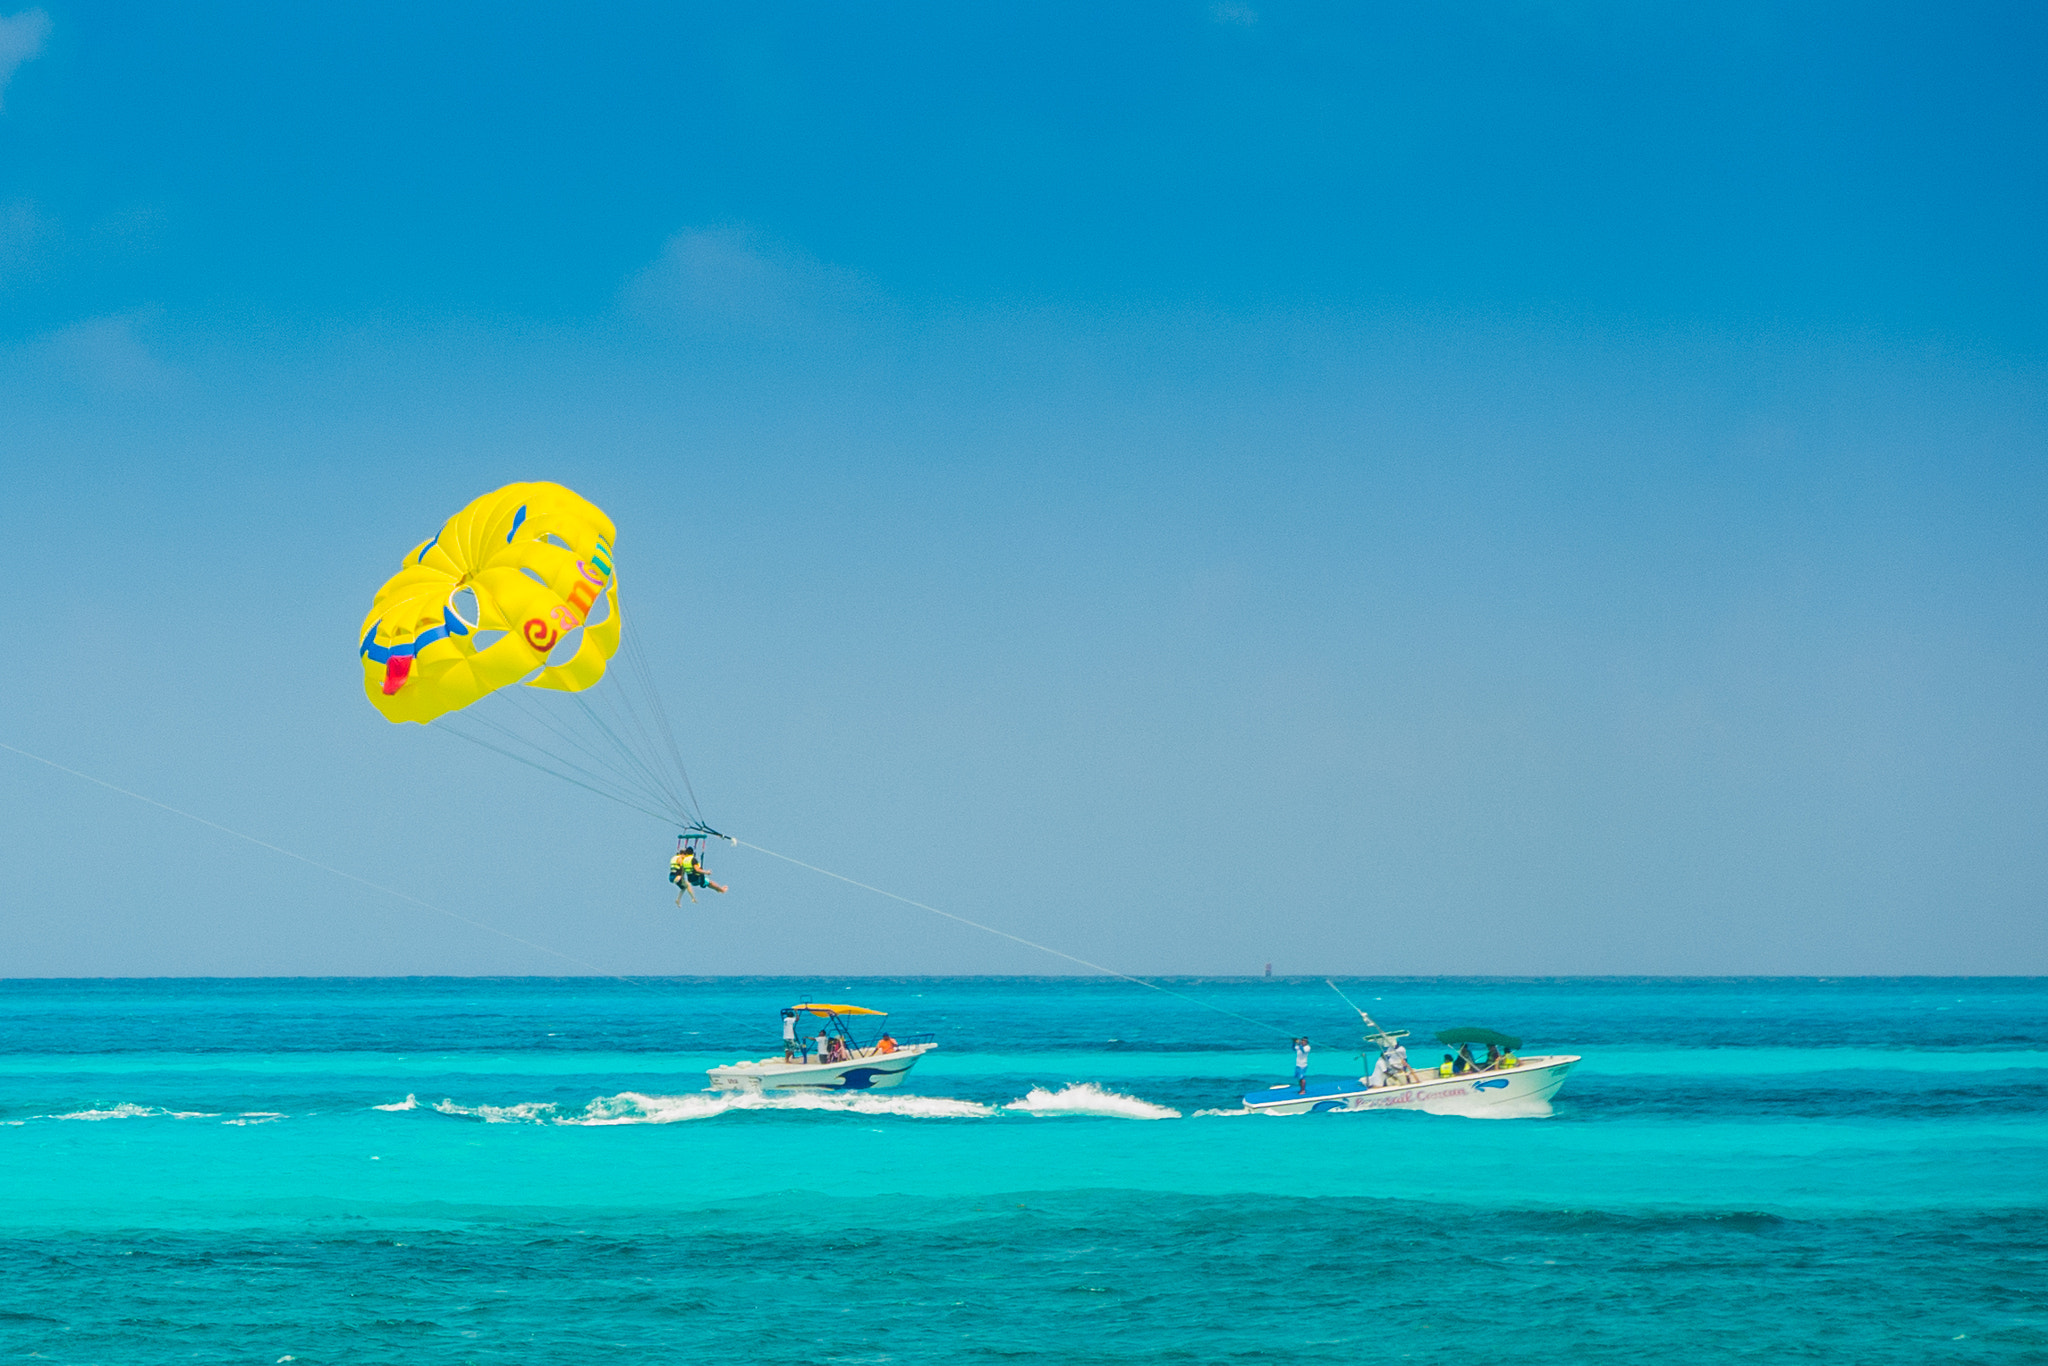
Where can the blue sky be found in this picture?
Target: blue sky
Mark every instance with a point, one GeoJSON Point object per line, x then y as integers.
{"type": "Point", "coordinates": [1521, 488]}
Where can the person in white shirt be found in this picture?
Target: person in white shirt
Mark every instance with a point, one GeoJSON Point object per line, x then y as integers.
{"type": "Point", "coordinates": [1301, 1047]}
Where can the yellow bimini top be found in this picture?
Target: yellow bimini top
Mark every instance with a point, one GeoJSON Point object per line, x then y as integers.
{"type": "Point", "coordinates": [822, 1009]}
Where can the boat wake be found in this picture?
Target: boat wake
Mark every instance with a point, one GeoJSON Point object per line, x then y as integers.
{"type": "Point", "coordinates": [634, 1107]}
{"type": "Point", "coordinates": [1086, 1098]}
{"type": "Point", "coordinates": [129, 1111]}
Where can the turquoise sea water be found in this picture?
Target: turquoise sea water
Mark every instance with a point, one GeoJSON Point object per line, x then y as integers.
{"type": "Point", "coordinates": [529, 1170]}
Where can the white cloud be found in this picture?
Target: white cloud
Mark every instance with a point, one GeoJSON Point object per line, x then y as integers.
{"type": "Point", "coordinates": [25, 231]}
{"type": "Point", "coordinates": [107, 356]}
{"type": "Point", "coordinates": [730, 275]}
{"type": "Point", "coordinates": [21, 38]}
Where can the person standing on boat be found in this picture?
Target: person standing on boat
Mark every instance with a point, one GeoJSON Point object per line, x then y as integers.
{"type": "Point", "coordinates": [788, 1035]}
{"type": "Point", "coordinates": [1301, 1047]}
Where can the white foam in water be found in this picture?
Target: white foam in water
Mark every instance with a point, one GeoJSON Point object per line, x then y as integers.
{"type": "Point", "coordinates": [134, 1112]}
{"type": "Point", "coordinates": [409, 1103]}
{"type": "Point", "coordinates": [256, 1117]}
{"type": "Point", "coordinates": [1086, 1098]}
{"type": "Point", "coordinates": [633, 1107]}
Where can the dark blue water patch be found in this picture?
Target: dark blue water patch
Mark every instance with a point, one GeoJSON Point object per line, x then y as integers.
{"type": "Point", "coordinates": [1917, 1097]}
{"type": "Point", "coordinates": [199, 1015]}
{"type": "Point", "coordinates": [1072, 1276]}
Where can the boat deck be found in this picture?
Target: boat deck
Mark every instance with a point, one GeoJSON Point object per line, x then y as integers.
{"type": "Point", "coordinates": [1533, 1075]}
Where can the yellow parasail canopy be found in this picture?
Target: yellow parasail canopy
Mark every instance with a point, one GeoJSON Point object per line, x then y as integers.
{"type": "Point", "coordinates": [839, 1010]}
{"type": "Point", "coordinates": [520, 569]}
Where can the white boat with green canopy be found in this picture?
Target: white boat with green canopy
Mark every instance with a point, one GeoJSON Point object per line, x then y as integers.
{"type": "Point", "coordinates": [1502, 1083]}
{"type": "Point", "coordinates": [827, 1056]}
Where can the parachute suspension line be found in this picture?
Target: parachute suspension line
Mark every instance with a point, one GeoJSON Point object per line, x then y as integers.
{"type": "Point", "coordinates": [634, 757]}
{"type": "Point", "coordinates": [514, 737]}
{"type": "Point", "coordinates": [606, 781]}
{"type": "Point", "coordinates": [634, 703]}
{"type": "Point", "coordinates": [522, 759]}
{"type": "Point", "coordinates": [633, 762]}
{"type": "Point", "coordinates": [530, 708]}
{"type": "Point", "coordinates": [621, 746]}
{"type": "Point", "coordinates": [619, 767]}
{"type": "Point", "coordinates": [325, 867]}
{"type": "Point", "coordinates": [628, 696]}
{"type": "Point", "coordinates": [636, 658]}
{"type": "Point", "coordinates": [1005, 934]}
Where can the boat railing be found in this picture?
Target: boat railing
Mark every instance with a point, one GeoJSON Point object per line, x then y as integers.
{"type": "Point", "coordinates": [866, 1050]}
{"type": "Point", "coordinates": [912, 1040]}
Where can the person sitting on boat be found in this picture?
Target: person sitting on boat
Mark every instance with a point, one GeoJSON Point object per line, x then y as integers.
{"type": "Point", "coordinates": [1379, 1073]}
{"type": "Point", "coordinates": [1464, 1063]}
{"type": "Point", "coordinates": [885, 1044]}
{"type": "Point", "coordinates": [835, 1051]}
{"type": "Point", "coordinates": [1447, 1066]}
{"type": "Point", "coordinates": [1492, 1058]}
{"type": "Point", "coordinates": [1508, 1059]}
{"type": "Point", "coordinates": [1398, 1069]}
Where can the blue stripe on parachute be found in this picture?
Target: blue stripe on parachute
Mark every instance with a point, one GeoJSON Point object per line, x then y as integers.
{"type": "Point", "coordinates": [451, 625]}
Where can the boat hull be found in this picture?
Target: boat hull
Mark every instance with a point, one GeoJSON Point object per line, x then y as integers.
{"type": "Point", "coordinates": [1525, 1087]}
{"type": "Point", "coordinates": [871, 1072]}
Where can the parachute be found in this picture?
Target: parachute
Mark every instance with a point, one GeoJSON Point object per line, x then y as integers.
{"type": "Point", "coordinates": [518, 591]}
{"type": "Point", "coordinates": [529, 562]}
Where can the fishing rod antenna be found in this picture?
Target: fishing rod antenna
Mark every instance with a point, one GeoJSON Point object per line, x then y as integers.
{"type": "Point", "coordinates": [1386, 1037]}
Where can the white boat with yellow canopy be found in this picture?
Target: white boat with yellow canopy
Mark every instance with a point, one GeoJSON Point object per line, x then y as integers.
{"type": "Point", "coordinates": [827, 1056]}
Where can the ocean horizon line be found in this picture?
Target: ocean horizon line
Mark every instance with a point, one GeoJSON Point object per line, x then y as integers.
{"type": "Point", "coordinates": [1301, 978]}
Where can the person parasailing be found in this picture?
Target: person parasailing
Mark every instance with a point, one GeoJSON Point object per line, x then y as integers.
{"type": "Point", "coordinates": [504, 627]}
{"type": "Point", "coordinates": [686, 870]}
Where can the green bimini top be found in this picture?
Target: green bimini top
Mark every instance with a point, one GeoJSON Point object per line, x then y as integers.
{"type": "Point", "coordinates": [1473, 1034]}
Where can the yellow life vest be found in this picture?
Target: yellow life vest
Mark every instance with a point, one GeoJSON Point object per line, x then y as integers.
{"type": "Point", "coordinates": [1508, 1060]}
{"type": "Point", "coordinates": [1443, 1069]}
